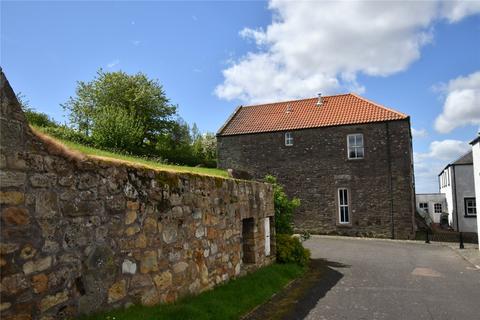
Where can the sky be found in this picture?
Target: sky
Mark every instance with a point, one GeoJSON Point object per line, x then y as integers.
{"type": "Point", "coordinates": [420, 58]}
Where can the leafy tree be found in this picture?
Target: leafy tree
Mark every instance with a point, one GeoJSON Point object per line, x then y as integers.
{"type": "Point", "coordinates": [34, 117]}
{"type": "Point", "coordinates": [134, 98]}
{"type": "Point", "coordinates": [175, 146]}
{"type": "Point", "coordinates": [284, 207]}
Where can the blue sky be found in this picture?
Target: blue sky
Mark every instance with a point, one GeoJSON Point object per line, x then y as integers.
{"type": "Point", "coordinates": [420, 59]}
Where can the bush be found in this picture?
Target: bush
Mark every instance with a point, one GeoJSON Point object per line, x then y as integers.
{"type": "Point", "coordinates": [65, 133]}
{"type": "Point", "coordinates": [291, 250]}
{"type": "Point", "coordinates": [284, 207]}
{"type": "Point", "coordinates": [118, 129]}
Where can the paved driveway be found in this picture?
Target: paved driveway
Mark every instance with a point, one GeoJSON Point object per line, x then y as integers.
{"type": "Point", "coordinates": [381, 279]}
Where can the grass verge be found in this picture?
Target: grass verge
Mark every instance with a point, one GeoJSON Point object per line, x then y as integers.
{"type": "Point", "coordinates": [228, 301]}
{"type": "Point", "coordinates": [98, 153]}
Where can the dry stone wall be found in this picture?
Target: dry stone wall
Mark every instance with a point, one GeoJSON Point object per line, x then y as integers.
{"type": "Point", "coordinates": [79, 235]}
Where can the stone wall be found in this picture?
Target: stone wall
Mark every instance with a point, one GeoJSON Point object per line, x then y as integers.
{"type": "Point", "coordinates": [80, 235]}
{"type": "Point", "coordinates": [317, 165]}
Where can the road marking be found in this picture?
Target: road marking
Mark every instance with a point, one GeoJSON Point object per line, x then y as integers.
{"type": "Point", "coordinates": [426, 272]}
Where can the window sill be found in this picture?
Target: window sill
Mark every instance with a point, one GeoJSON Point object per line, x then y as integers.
{"type": "Point", "coordinates": [355, 159]}
{"type": "Point", "coordinates": [468, 216]}
{"type": "Point", "coordinates": [344, 225]}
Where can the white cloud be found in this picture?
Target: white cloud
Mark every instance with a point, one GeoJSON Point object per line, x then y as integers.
{"type": "Point", "coordinates": [136, 43]}
{"type": "Point", "coordinates": [113, 63]}
{"type": "Point", "coordinates": [456, 10]}
{"type": "Point", "coordinates": [429, 164]}
{"type": "Point", "coordinates": [419, 133]}
{"type": "Point", "coordinates": [321, 46]}
{"type": "Point", "coordinates": [462, 104]}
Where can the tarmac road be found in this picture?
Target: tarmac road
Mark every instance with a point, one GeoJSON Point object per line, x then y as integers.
{"type": "Point", "coordinates": [382, 279]}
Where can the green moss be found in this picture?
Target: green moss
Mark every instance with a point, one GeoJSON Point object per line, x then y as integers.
{"type": "Point", "coordinates": [167, 179]}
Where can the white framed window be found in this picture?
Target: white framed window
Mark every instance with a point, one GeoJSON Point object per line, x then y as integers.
{"type": "Point", "coordinates": [470, 207]}
{"type": "Point", "coordinates": [288, 139]}
{"type": "Point", "coordinates": [343, 206]}
{"type": "Point", "coordinates": [437, 207]}
{"type": "Point", "coordinates": [355, 146]}
{"type": "Point", "coordinates": [423, 206]}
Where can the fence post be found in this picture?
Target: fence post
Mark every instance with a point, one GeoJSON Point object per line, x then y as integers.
{"type": "Point", "coordinates": [427, 240]}
{"type": "Point", "coordinates": [461, 241]}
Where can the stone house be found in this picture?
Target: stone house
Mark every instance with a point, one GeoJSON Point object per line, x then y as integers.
{"type": "Point", "coordinates": [456, 181]}
{"type": "Point", "coordinates": [348, 159]}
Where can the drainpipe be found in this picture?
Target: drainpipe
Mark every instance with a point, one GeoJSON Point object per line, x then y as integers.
{"type": "Point", "coordinates": [390, 186]}
{"type": "Point", "coordinates": [456, 207]}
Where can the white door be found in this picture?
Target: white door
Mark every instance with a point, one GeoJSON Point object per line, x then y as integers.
{"type": "Point", "coordinates": [267, 236]}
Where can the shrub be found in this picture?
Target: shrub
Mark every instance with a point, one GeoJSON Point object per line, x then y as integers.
{"type": "Point", "coordinates": [65, 133]}
{"type": "Point", "coordinates": [118, 129]}
{"type": "Point", "coordinates": [284, 207]}
{"type": "Point", "coordinates": [291, 250]}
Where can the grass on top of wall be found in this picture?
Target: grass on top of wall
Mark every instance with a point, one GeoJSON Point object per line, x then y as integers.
{"type": "Point", "coordinates": [98, 153]}
{"type": "Point", "coordinates": [228, 301]}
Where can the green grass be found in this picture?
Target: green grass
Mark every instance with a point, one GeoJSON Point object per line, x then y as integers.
{"type": "Point", "coordinates": [228, 301]}
{"type": "Point", "coordinates": [138, 160]}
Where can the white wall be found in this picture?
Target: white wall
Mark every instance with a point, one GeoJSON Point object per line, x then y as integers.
{"type": "Point", "coordinates": [431, 199]}
{"type": "Point", "coordinates": [447, 190]}
{"type": "Point", "coordinates": [476, 174]}
{"type": "Point", "coordinates": [465, 189]}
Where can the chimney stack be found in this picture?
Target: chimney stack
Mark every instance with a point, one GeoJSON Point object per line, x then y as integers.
{"type": "Point", "coordinates": [320, 100]}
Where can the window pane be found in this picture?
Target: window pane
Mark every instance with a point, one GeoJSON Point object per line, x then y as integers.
{"type": "Point", "coordinates": [359, 139]}
{"type": "Point", "coordinates": [351, 140]}
{"type": "Point", "coordinates": [346, 215]}
{"type": "Point", "coordinates": [345, 197]}
{"type": "Point", "coordinates": [359, 152]}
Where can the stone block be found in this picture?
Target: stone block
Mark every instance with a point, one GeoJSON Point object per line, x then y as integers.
{"type": "Point", "coordinates": [169, 234]}
{"type": "Point", "coordinates": [15, 216]}
{"type": "Point", "coordinates": [37, 265]}
{"type": "Point", "coordinates": [78, 208]}
{"type": "Point", "coordinates": [130, 217]}
{"type": "Point", "coordinates": [12, 179]}
{"type": "Point", "coordinates": [130, 231]}
{"type": "Point", "coordinates": [40, 283]}
{"type": "Point", "coordinates": [12, 197]}
{"type": "Point", "coordinates": [87, 181]}
{"type": "Point", "coordinates": [149, 262]}
{"type": "Point", "coordinates": [117, 291]}
{"type": "Point", "coordinates": [129, 267]}
{"type": "Point", "coordinates": [46, 204]}
{"type": "Point", "coordinates": [14, 284]}
{"type": "Point", "coordinates": [180, 267]}
{"type": "Point", "coordinates": [52, 300]}
{"type": "Point", "coordinates": [163, 281]}
{"type": "Point", "coordinates": [141, 280]}
{"type": "Point", "coordinates": [150, 297]}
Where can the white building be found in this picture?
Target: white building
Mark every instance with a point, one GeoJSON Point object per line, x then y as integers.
{"type": "Point", "coordinates": [476, 173]}
{"type": "Point", "coordinates": [457, 183]}
{"type": "Point", "coordinates": [431, 206]}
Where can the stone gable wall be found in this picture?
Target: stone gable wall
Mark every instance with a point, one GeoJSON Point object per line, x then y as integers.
{"type": "Point", "coordinates": [80, 235]}
{"type": "Point", "coordinates": [317, 165]}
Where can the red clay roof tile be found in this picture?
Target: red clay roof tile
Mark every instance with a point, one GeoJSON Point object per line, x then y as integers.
{"type": "Point", "coordinates": [300, 114]}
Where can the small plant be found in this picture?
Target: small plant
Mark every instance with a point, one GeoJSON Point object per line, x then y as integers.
{"type": "Point", "coordinates": [305, 236]}
{"type": "Point", "coordinates": [284, 207]}
{"type": "Point", "coordinates": [291, 250]}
